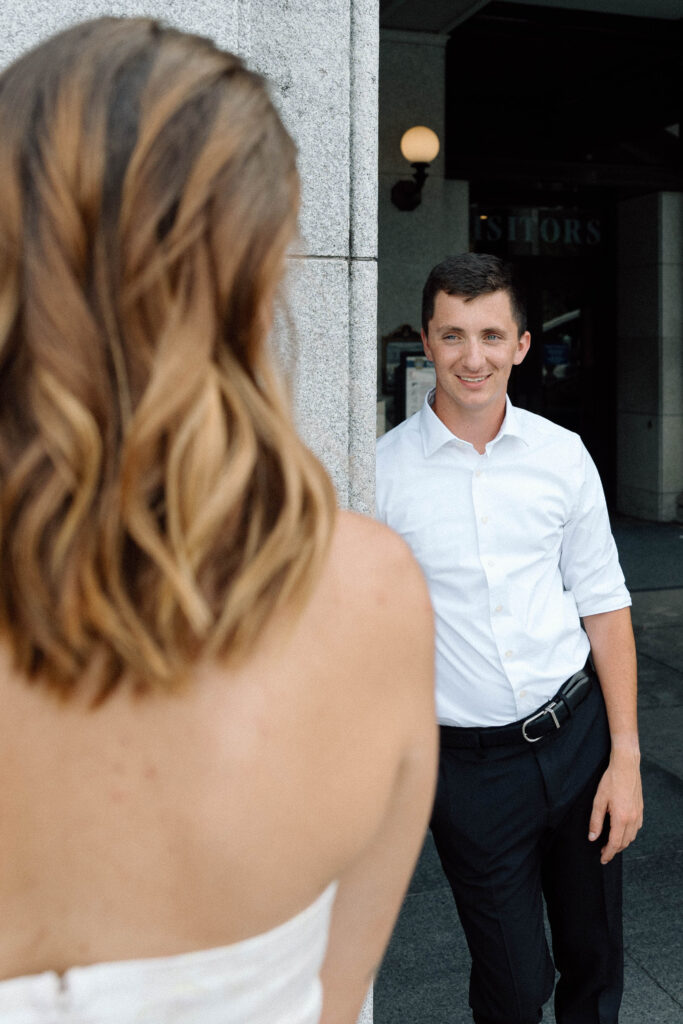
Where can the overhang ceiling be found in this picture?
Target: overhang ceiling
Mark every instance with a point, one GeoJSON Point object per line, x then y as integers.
{"type": "Point", "coordinates": [537, 92]}
{"type": "Point", "coordinates": [445, 15]}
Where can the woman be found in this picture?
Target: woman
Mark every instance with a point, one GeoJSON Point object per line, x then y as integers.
{"type": "Point", "coordinates": [217, 734]}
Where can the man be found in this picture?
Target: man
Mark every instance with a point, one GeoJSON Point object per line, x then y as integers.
{"type": "Point", "coordinates": [539, 782]}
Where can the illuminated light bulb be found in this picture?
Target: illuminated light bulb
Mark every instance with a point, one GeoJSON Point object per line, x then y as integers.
{"type": "Point", "coordinates": [420, 145]}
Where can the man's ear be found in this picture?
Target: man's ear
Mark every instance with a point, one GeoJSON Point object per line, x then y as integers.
{"type": "Point", "coordinates": [425, 346]}
{"type": "Point", "coordinates": [522, 348]}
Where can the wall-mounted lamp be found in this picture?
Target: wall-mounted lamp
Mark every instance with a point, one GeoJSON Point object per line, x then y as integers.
{"type": "Point", "coordinates": [420, 146]}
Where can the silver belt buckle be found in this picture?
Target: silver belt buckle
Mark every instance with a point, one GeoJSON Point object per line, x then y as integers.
{"type": "Point", "coordinates": [550, 709]}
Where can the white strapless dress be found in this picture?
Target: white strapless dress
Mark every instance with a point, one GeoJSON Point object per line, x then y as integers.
{"type": "Point", "coordinates": [271, 978]}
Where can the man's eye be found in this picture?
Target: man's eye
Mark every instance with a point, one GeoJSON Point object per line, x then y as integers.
{"type": "Point", "coordinates": [492, 337]}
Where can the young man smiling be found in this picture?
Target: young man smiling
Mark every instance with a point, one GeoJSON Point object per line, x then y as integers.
{"type": "Point", "coordinates": [473, 343]}
{"type": "Point", "coordinates": [539, 783]}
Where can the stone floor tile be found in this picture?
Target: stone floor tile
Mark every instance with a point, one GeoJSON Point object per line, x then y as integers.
{"type": "Point", "coordinates": [658, 685]}
{"type": "Point", "coordinates": [664, 644]}
{"type": "Point", "coordinates": [653, 920]}
{"type": "Point", "coordinates": [661, 737]}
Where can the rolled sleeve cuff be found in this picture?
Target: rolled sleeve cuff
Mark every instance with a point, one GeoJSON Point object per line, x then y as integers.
{"type": "Point", "coordinates": [596, 604]}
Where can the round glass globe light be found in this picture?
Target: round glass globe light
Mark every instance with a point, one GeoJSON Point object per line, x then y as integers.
{"type": "Point", "coordinates": [420, 145]}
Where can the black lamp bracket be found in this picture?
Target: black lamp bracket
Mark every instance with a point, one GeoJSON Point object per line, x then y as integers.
{"type": "Point", "coordinates": [406, 195]}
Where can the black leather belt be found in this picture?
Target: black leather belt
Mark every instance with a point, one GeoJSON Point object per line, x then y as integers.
{"type": "Point", "coordinates": [548, 719]}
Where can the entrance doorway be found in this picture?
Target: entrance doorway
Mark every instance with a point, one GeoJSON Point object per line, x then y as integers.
{"type": "Point", "coordinates": [564, 260]}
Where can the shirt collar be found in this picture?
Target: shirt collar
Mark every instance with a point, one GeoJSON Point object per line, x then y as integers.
{"type": "Point", "coordinates": [435, 433]}
{"type": "Point", "coordinates": [511, 425]}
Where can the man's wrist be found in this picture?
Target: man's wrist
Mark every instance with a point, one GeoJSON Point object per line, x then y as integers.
{"type": "Point", "coordinates": [625, 747]}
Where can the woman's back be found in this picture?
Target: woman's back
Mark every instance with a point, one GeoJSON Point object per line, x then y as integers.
{"type": "Point", "coordinates": [269, 979]}
{"type": "Point", "coordinates": [156, 825]}
{"type": "Point", "coordinates": [216, 690]}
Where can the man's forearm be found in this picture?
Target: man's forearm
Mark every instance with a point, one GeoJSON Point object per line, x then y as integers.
{"type": "Point", "coordinates": [619, 793]}
{"type": "Point", "coordinates": [614, 655]}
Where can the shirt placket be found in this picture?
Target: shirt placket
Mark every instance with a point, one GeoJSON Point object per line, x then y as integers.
{"type": "Point", "coordinates": [490, 536]}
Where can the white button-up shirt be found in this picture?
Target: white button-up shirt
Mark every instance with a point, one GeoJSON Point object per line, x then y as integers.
{"type": "Point", "coordinates": [515, 545]}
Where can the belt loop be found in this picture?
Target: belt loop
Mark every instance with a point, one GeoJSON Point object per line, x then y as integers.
{"type": "Point", "coordinates": [566, 704]}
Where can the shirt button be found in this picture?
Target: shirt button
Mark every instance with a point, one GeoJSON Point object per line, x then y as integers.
{"type": "Point", "coordinates": [508, 654]}
{"type": "Point", "coordinates": [522, 693]}
{"type": "Point", "coordinates": [477, 472]}
{"type": "Point", "coordinates": [484, 519]}
{"type": "Point", "coordinates": [491, 563]}
{"type": "Point", "coordinates": [498, 608]}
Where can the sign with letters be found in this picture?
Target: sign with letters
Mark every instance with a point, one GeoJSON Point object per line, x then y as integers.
{"type": "Point", "coordinates": [534, 231]}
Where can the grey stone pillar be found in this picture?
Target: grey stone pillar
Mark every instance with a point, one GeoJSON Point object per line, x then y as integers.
{"type": "Point", "coordinates": [321, 57]}
{"type": "Point", "coordinates": [650, 367]}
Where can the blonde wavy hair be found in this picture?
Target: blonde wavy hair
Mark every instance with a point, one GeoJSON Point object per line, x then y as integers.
{"type": "Point", "coordinates": [156, 505]}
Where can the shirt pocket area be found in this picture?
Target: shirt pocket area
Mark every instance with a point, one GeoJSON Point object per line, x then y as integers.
{"type": "Point", "coordinates": [437, 546]}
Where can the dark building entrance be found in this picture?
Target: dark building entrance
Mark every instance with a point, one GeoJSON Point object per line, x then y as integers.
{"type": "Point", "coordinates": [555, 116]}
{"type": "Point", "coordinates": [564, 260]}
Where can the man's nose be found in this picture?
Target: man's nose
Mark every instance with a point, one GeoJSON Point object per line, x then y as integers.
{"type": "Point", "coordinates": [473, 354]}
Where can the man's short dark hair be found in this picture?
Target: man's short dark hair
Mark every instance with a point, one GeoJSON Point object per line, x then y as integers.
{"type": "Point", "coordinates": [469, 275]}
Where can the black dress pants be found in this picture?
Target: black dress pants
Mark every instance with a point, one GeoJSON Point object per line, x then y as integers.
{"type": "Point", "coordinates": [510, 825]}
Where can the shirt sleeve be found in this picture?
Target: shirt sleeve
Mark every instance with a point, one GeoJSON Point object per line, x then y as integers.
{"type": "Point", "coordinates": [380, 483]}
{"type": "Point", "coordinates": [589, 562]}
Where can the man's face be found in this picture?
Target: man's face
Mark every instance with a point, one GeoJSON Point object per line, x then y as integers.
{"type": "Point", "coordinates": [474, 345]}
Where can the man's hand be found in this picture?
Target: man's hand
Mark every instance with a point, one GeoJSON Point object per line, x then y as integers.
{"type": "Point", "coordinates": [620, 795]}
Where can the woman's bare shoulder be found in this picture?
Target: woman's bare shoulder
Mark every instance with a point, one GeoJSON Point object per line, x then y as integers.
{"type": "Point", "coordinates": [363, 544]}
{"type": "Point", "coordinates": [377, 571]}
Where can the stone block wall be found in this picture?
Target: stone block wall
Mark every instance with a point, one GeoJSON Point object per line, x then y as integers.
{"type": "Point", "coordinates": [650, 356]}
